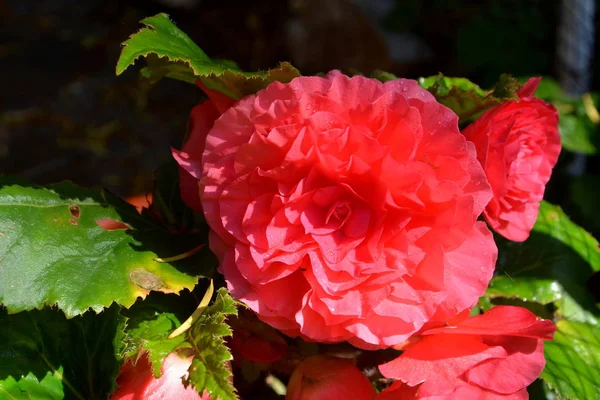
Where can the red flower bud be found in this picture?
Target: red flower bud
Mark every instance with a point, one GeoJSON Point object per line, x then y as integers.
{"type": "Point", "coordinates": [517, 144]}
{"type": "Point", "coordinates": [137, 382]}
{"type": "Point", "coordinates": [327, 378]}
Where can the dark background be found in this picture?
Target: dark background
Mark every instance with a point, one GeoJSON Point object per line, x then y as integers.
{"type": "Point", "coordinates": [65, 115]}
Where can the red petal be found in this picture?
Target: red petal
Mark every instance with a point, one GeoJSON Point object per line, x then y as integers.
{"type": "Point", "coordinates": [137, 382]}
{"type": "Point", "coordinates": [109, 224]}
{"type": "Point", "coordinates": [133, 379]}
{"type": "Point", "coordinates": [189, 158]}
{"type": "Point", "coordinates": [474, 392]}
{"type": "Point", "coordinates": [502, 320]}
{"type": "Point", "coordinates": [201, 121]}
{"type": "Point", "coordinates": [140, 201]}
{"type": "Point", "coordinates": [268, 347]}
{"type": "Point", "coordinates": [529, 88]}
{"type": "Point", "coordinates": [221, 102]}
{"type": "Point", "coordinates": [523, 365]}
{"type": "Point", "coordinates": [399, 391]}
{"type": "Point", "coordinates": [328, 378]}
{"type": "Point", "coordinates": [190, 190]}
{"type": "Point", "coordinates": [438, 361]}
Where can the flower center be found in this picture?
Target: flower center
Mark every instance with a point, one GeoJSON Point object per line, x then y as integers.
{"type": "Point", "coordinates": [338, 212]}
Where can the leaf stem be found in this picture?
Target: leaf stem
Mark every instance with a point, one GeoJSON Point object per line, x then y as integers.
{"type": "Point", "coordinates": [180, 256]}
{"type": "Point", "coordinates": [196, 314]}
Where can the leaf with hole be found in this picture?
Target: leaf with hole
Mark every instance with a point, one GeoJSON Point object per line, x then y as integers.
{"type": "Point", "coordinates": [54, 252]}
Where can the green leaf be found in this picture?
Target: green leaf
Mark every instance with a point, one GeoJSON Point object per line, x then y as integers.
{"type": "Point", "coordinates": [383, 76]}
{"type": "Point", "coordinates": [52, 251]}
{"type": "Point", "coordinates": [45, 356]}
{"type": "Point", "coordinates": [506, 88]}
{"type": "Point", "coordinates": [162, 39]}
{"type": "Point", "coordinates": [467, 99]}
{"type": "Point", "coordinates": [211, 370]}
{"type": "Point", "coordinates": [553, 265]}
{"type": "Point", "coordinates": [29, 387]}
{"type": "Point", "coordinates": [578, 132]}
{"type": "Point", "coordinates": [575, 136]}
{"type": "Point", "coordinates": [548, 89]}
{"type": "Point", "coordinates": [443, 85]}
{"type": "Point", "coordinates": [573, 361]}
{"type": "Point", "coordinates": [157, 68]}
{"type": "Point", "coordinates": [150, 322]}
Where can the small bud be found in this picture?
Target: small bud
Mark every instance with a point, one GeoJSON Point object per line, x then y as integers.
{"type": "Point", "coordinates": [137, 382]}
{"type": "Point", "coordinates": [328, 378]}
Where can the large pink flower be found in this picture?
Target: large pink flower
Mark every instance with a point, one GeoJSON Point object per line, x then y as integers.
{"type": "Point", "coordinates": [493, 356]}
{"type": "Point", "coordinates": [518, 144]}
{"type": "Point", "coordinates": [344, 208]}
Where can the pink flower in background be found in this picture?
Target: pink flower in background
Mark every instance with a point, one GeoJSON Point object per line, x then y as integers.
{"type": "Point", "coordinates": [342, 208]}
{"type": "Point", "coordinates": [201, 121]}
{"type": "Point", "coordinates": [328, 378]}
{"type": "Point", "coordinates": [518, 144]}
{"type": "Point", "coordinates": [495, 355]}
{"type": "Point", "coordinates": [137, 381]}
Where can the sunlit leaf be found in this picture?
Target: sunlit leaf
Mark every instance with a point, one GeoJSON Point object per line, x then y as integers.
{"type": "Point", "coordinates": [210, 369]}
{"type": "Point", "coordinates": [573, 361]}
{"type": "Point", "coordinates": [553, 265]}
{"type": "Point", "coordinates": [153, 320]}
{"type": "Point", "coordinates": [171, 51]}
{"type": "Point", "coordinates": [53, 251]}
{"type": "Point", "coordinates": [466, 98]}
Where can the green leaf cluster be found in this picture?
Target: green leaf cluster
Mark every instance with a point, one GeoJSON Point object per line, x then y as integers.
{"type": "Point", "coordinates": [152, 321]}
{"type": "Point", "coordinates": [210, 369]}
{"type": "Point", "coordinates": [466, 98]}
{"type": "Point", "coordinates": [552, 268]}
{"type": "Point", "coordinates": [79, 299]}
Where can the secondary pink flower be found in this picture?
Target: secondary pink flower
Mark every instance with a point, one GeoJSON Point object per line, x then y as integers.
{"type": "Point", "coordinates": [518, 144]}
{"type": "Point", "coordinates": [344, 208]}
{"type": "Point", "coordinates": [190, 168]}
{"type": "Point", "coordinates": [328, 378]}
{"type": "Point", "coordinates": [137, 381]}
{"type": "Point", "coordinates": [492, 356]}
